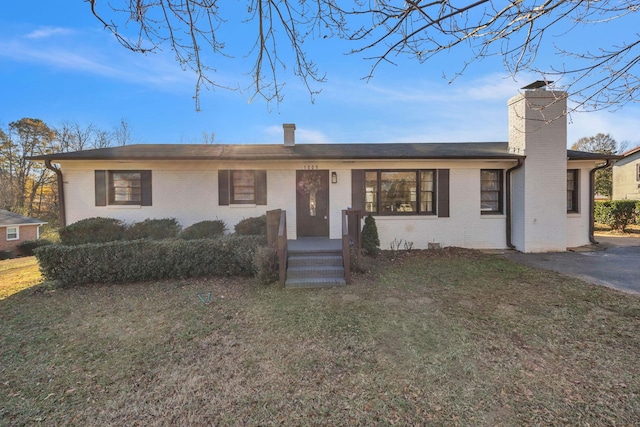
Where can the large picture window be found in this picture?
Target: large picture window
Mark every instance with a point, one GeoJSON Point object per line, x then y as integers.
{"type": "Point", "coordinates": [491, 191]}
{"type": "Point", "coordinates": [572, 190]}
{"type": "Point", "coordinates": [400, 192]}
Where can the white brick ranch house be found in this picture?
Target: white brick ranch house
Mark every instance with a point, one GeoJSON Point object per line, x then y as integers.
{"type": "Point", "coordinates": [529, 193]}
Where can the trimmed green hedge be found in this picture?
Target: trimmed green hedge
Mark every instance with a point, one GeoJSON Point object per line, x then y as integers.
{"type": "Point", "coordinates": [93, 230]}
{"type": "Point", "coordinates": [142, 260]}
{"type": "Point", "coordinates": [254, 226]}
{"type": "Point", "coordinates": [28, 246]}
{"type": "Point", "coordinates": [617, 214]}
{"type": "Point", "coordinates": [156, 229]}
{"type": "Point", "coordinates": [210, 229]}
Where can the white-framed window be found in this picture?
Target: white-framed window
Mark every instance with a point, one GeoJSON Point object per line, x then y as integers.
{"type": "Point", "coordinates": [123, 187]}
{"type": "Point", "coordinates": [638, 172]}
{"type": "Point", "coordinates": [491, 191]}
{"type": "Point", "coordinates": [243, 187]}
{"type": "Point", "coordinates": [572, 190]}
{"type": "Point", "coordinates": [13, 233]}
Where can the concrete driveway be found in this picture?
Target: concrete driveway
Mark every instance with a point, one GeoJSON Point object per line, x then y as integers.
{"type": "Point", "coordinates": [615, 262]}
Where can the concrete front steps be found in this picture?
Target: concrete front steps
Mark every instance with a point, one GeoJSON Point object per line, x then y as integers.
{"type": "Point", "coordinates": [308, 268]}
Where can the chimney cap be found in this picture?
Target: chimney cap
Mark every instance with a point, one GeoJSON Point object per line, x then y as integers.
{"type": "Point", "coordinates": [538, 84]}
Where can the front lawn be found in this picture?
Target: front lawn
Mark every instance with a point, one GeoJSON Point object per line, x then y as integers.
{"type": "Point", "coordinates": [18, 274]}
{"type": "Point", "coordinates": [450, 337]}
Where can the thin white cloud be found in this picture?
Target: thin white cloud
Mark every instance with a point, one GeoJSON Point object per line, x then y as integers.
{"type": "Point", "coordinates": [46, 32]}
{"type": "Point", "coordinates": [112, 61]}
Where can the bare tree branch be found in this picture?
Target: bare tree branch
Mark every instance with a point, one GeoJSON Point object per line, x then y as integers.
{"type": "Point", "coordinates": [515, 30]}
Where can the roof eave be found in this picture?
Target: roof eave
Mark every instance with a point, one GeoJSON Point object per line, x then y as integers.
{"type": "Point", "coordinates": [55, 158]}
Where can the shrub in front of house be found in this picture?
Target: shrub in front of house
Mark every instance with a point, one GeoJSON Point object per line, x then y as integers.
{"type": "Point", "coordinates": [617, 214]}
{"type": "Point", "coordinates": [210, 229]}
{"type": "Point", "coordinates": [370, 239]}
{"type": "Point", "coordinates": [266, 265]}
{"type": "Point", "coordinates": [155, 229]}
{"type": "Point", "coordinates": [254, 226]}
{"type": "Point", "coordinates": [27, 247]}
{"type": "Point", "coordinates": [142, 260]}
{"type": "Point", "coordinates": [6, 255]}
{"type": "Point", "coordinates": [93, 230]}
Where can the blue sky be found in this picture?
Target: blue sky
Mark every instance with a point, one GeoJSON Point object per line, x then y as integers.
{"type": "Point", "coordinates": [58, 64]}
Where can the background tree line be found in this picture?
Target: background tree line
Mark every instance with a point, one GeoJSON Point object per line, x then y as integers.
{"type": "Point", "coordinates": [604, 144]}
{"type": "Point", "coordinates": [29, 188]}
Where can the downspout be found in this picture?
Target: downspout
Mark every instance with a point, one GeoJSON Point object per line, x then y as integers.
{"type": "Point", "coordinates": [508, 210]}
{"type": "Point", "coordinates": [592, 202]}
{"type": "Point", "coordinates": [58, 172]}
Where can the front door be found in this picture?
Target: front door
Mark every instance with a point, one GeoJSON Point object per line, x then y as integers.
{"type": "Point", "coordinates": [312, 203]}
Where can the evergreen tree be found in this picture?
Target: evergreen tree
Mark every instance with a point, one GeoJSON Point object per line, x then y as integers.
{"type": "Point", "coordinates": [370, 239]}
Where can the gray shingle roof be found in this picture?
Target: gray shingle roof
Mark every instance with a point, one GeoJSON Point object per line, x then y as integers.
{"type": "Point", "coordinates": [461, 150]}
{"type": "Point", "coordinates": [491, 150]}
{"type": "Point", "coordinates": [12, 218]}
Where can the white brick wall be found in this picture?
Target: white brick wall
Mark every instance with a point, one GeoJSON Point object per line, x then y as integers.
{"type": "Point", "coordinates": [578, 223]}
{"type": "Point", "coordinates": [189, 193]}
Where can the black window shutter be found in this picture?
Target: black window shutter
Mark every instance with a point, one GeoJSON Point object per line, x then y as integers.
{"type": "Point", "coordinates": [223, 187]}
{"type": "Point", "coordinates": [443, 193]}
{"type": "Point", "coordinates": [101, 188]}
{"type": "Point", "coordinates": [357, 189]}
{"type": "Point", "coordinates": [261, 187]}
{"type": "Point", "coordinates": [146, 188]}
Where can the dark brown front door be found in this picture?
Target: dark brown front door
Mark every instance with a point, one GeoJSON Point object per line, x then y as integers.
{"type": "Point", "coordinates": [312, 203]}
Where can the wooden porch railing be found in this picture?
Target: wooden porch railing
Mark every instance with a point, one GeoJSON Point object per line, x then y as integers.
{"type": "Point", "coordinates": [351, 230]}
{"type": "Point", "coordinates": [277, 239]}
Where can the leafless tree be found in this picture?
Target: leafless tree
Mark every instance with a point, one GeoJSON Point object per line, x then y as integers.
{"type": "Point", "coordinates": [102, 139]}
{"type": "Point", "coordinates": [122, 133]}
{"type": "Point", "coordinates": [601, 76]}
{"type": "Point", "coordinates": [71, 136]}
{"type": "Point", "coordinates": [208, 138]}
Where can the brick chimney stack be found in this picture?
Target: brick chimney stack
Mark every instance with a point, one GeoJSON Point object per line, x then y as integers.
{"type": "Point", "coordinates": [538, 130]}
{"type": "Point", "coordinates": [289, 134]}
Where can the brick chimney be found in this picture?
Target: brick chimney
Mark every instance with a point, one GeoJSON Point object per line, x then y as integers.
{"type": "Point", "coordinates": [289, 134]}
{"type": "Point", "coordinates": [538, 130]}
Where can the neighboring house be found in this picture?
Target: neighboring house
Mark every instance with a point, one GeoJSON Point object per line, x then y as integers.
{"type": "Point", "coordinates": [529, 193]}
{"type": "Point", "coordinates": [15, 229]}
{"type": "Point", "coordinates": [626, 176]}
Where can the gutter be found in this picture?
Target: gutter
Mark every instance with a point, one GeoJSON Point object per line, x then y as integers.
{"type": "Point", "coordinates": [592, 196]}
{"type": "Point", "coordinates": [508, 209]}
{"type": "Point", "coordinates": [58, 172]}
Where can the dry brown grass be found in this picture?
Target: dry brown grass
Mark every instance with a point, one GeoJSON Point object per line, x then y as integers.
{"type": "Point", "coordinates": [449, 337]}
{"type": "Point", "coordinates": [18, 274]}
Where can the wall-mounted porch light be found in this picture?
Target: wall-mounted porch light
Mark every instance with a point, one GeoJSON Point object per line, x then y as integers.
{"type": "Point", "coordinates": [334, 178]}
